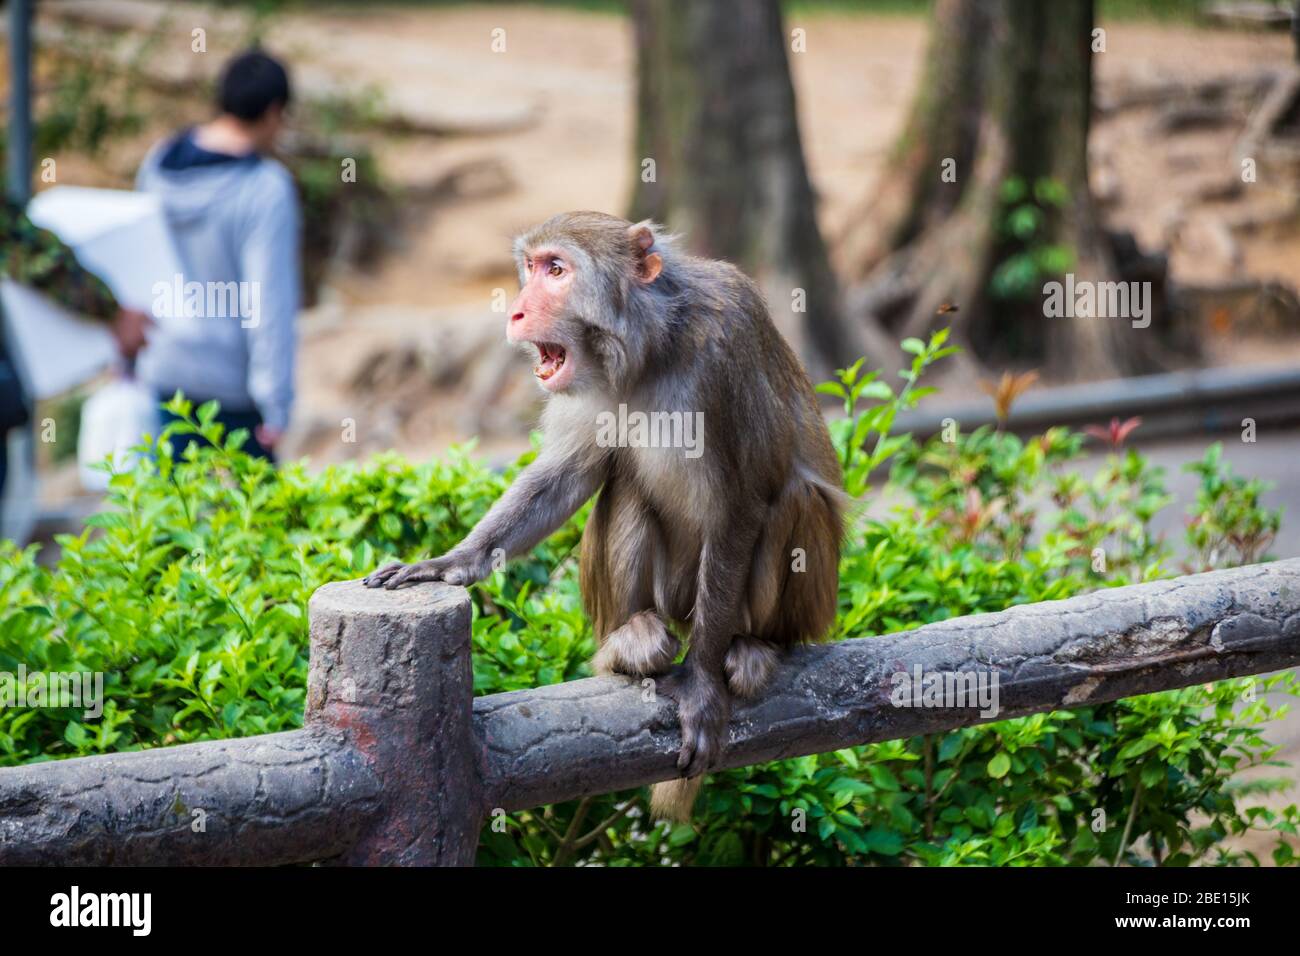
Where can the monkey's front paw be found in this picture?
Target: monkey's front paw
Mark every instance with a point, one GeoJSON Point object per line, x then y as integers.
{"type": "Point", "coordinates": [641, 647]}
{"type": "Point", "coordinates": [453, 569]}
{"type": "Point", "coordinates": [377, 578]}
{"type": "Point", "coordinates": [703, 709]}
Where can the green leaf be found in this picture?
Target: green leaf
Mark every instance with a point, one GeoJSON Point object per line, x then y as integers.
{"type": "Point", "coordinates": [1138, 747]}
{"type": "Point", "coordinates": [681, 834]}
{"type": "Point", "coordinates": [849, 757]}
{"type": "Point", "coordinates": [999, 766]}
{"type": "Point", "coordinates": [76, 735]}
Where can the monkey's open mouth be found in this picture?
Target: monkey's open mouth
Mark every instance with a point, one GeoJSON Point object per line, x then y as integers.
{"type": "Point", "coordinates": [551, 359]}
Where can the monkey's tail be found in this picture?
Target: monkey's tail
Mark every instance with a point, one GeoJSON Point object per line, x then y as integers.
{"type": "Point", "coordinates": [673, 799]}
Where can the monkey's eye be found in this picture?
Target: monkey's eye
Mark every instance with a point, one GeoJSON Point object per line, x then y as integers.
{"type": "Point", "coordinates": [556, 269]}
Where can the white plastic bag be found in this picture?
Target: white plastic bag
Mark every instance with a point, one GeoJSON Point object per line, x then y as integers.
{"type": "Point", "coordinates": [112, 421]}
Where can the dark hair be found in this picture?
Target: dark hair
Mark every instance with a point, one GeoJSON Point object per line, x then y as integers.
{"type": "Point", "coordinates": [251, 83]}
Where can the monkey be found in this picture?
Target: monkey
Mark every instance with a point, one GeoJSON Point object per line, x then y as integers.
{"type": "Point", "coordinates": [736, 547]}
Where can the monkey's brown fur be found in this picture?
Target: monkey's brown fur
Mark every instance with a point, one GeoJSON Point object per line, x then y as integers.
{"type": "Point", "coordinates": [739, 547]}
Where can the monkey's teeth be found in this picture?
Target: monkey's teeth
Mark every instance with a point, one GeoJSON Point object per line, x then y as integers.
{"type": "Point", "coordinates": [552, 360]}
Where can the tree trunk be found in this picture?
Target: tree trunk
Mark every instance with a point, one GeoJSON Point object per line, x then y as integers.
{"type": "Point", "coordinates": [716, 110]}
{"type": "Point", "coordinates": [943, 124]}
{"type": "Point", "coordinates": [1004, 112]}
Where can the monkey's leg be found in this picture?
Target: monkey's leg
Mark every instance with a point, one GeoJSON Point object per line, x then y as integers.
{"type": "Point", "coordinates": [808, 588]}
{"type": "Point", "coordinates": [703, 701]}
{"type": "Point", "coordinates": [618, 548]}
{"type": "Point", "coordinates": [792, 586]}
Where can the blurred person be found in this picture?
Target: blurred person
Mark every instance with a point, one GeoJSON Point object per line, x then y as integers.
{"type": "Point", "coordinates": [227, 329]}
{"type": "Point", "coordinates": [37, 258]}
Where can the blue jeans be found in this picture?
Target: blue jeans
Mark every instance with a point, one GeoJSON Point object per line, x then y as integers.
{"type": "Point", "coordinates": [231, 420]}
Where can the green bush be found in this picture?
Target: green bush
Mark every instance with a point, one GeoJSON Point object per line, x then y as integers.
{"type": "Point", "coordinates": [189, 593]}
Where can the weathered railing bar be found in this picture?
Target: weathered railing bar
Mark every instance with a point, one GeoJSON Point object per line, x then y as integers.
{"type": "Point", "coordinates": [399, 764]}
{"type": "Point", "coordinates": [595, 736]}
{"type": "Point", "coordinates": [278, 798]}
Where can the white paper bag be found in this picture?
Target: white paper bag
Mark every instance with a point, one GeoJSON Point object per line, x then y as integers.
{"type": "Point", "coordinates": [112, 421]}
{"type": "Point", "coordinates": [119, 235]}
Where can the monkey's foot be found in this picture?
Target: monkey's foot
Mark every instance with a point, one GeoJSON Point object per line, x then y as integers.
{"type": "Point", "coordinates": [749, 665]}
{"type": "Point", "coordinates": [641, 647]}
{"type": "Point", "coordinates": [703, 708]}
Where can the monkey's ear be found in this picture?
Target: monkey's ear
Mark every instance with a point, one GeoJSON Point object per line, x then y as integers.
{"type": "Point", "coordinates": [648, 264]}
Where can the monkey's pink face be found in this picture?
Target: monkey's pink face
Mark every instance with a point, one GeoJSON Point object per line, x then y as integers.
{"type": "Point", "coordinates": [536, 317]}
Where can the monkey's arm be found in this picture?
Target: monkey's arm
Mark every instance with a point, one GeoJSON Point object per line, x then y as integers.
{"type": "Point", "coordinates": [542, 498]}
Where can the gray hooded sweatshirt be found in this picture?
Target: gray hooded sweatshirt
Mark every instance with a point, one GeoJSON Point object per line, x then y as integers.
{"type": "Point", "coordinates": [225, 329]}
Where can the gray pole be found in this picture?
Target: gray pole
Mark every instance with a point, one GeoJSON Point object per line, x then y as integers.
{"type": "Point", "coordinates": [18, 175]}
